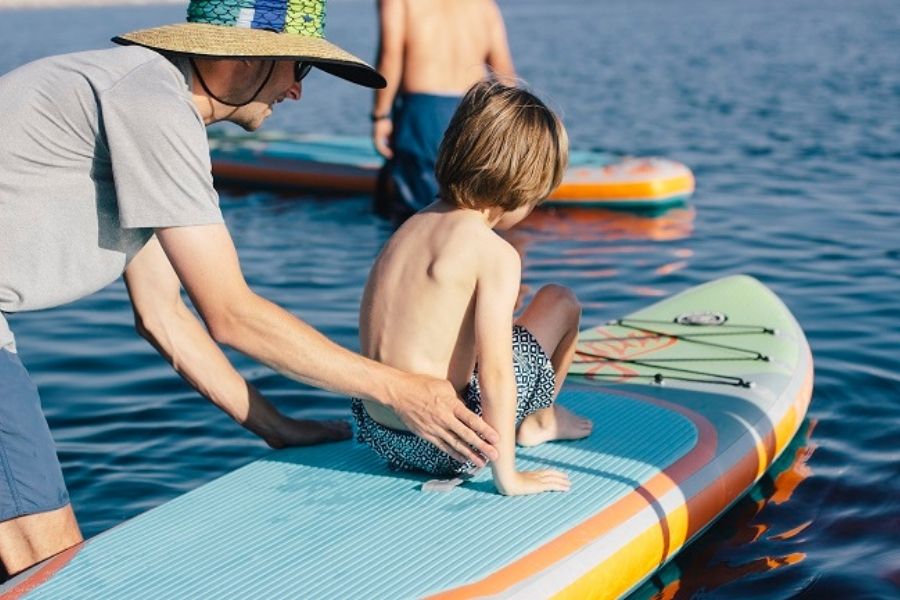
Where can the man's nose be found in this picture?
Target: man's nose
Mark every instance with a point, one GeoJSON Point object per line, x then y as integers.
{"type": "Point", "coordinates": [295, 91]}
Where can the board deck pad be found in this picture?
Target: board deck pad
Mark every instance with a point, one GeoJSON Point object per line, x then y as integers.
{"type": "Point", "coordinates": [333, 521]}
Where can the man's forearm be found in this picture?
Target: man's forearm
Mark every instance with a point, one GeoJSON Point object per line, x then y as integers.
{"type": "Point", "coordinates": [183, 341]}
{"type": "Point", "coordinates": [273, 336]}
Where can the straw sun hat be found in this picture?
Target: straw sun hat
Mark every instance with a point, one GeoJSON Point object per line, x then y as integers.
{"type": "Point", "coordinates": [264, 29]}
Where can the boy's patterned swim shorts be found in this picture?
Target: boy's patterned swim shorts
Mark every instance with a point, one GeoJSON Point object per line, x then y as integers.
{"type": "Point", "coordinates": [403, 450]}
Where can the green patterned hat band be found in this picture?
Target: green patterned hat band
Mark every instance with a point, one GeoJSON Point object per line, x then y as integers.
{"type": "Point", "coordinates": [302, 17]}
{"type": "Point", "coordinates": [256, 29]}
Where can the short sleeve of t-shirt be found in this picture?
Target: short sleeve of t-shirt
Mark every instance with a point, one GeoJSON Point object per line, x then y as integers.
{"type": "Point", "coordinates": [158, 150]}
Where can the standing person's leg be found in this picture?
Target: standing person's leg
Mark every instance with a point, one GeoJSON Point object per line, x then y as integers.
{"type": "Point", "coordinates": [553, 318]}
{"type": "Point", "coordinates": [36, 519]}
{"type": "Point", "coordinates": [25, 541]}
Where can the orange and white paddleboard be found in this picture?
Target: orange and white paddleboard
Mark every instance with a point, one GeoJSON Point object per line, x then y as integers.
{"type": "Point", "coordinates": [350, 164]}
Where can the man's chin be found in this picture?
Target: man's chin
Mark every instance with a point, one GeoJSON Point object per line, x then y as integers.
{"type": "Point", "coordinates": [251, 125]}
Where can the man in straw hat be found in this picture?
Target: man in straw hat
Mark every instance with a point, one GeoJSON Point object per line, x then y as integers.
{"type": "Point", "coordinates": [106, 170]}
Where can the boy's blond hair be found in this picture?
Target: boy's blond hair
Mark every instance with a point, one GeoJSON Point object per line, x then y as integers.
{"type": "Point", "coordinates": [503, 148]}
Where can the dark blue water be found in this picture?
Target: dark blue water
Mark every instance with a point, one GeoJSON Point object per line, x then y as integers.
{"type": "Point", "coordinates": [789, 114]}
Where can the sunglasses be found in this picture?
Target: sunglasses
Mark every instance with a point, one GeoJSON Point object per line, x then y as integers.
{"type": "Point", "coordinates": [301, 70]}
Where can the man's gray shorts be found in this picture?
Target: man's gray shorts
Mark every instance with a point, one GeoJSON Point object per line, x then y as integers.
{"type": "Point", "coordinates": [31, 479]}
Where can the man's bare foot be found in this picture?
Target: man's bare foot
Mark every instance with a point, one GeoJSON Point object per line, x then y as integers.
{"type": "Point", "coordinates": [554, 423]}
{"type": "Point", "coordinates": [305, 432]}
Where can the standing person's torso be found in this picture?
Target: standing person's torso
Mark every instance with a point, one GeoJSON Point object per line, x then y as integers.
{"type": "Point", "coordinates": [97, 149]}
{"type": "Point", "coordinates": [447, 45]}
{"type": "Point", "coordinates": [418, 307]}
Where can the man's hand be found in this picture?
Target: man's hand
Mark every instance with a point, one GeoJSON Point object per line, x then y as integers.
{"type": "Point", "coordinates": [305, 432]}
{"type": "Point", "coordinates": [381, 137]}
{"type": "Point", "coordinates": [430, 408]}
{"type": "Point", "coordinates": [280, 431]}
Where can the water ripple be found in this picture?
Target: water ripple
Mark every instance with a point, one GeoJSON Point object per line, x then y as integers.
{"type": "Point", "coordinates": [787, 112]}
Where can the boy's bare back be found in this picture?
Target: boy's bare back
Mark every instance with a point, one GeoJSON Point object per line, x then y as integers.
{"type": "Point", "coordinates": [417, 310]}
{"type": "Point", "coordinates": [447, 43]}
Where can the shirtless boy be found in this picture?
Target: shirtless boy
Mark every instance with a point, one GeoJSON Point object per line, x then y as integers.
{"type": "Point", "coordinates": [441, 295]}
{"type": "Point", "coordinates": [430, 53]}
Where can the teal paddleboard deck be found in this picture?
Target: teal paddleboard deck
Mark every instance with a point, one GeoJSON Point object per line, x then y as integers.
{"type": "Point", "coordinates": [673, 446]}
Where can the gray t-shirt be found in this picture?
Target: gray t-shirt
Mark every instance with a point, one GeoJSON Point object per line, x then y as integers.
{"type": "Point", "coordinates": [96, 150]}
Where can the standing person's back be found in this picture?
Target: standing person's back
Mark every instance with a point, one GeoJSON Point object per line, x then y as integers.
{"type": "Point", "coordinates": [430, 52]}
{"type": "Point", "coordinates": [450, 42]}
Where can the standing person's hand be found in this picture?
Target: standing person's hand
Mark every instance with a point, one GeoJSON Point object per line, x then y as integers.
{"type": "Point", "coordinates": [381, 137]}
{"type": "Point", "coordinates": [432, 410]}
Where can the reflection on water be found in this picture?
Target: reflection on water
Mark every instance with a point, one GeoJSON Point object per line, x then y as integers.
{"type": "Point", "coordinates": [587, 245]}
{"type": "Point", "coordinates": [724, 555]}
{"type": "Point", "coordinates": [585, 224]}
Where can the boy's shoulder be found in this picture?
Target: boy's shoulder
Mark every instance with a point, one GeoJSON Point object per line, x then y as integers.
{"type": "Point", "coordinates": [497, 254]}
{"type": "Point", "coordinates": [478, 236]}
{"type": "Point", "coordinates": [457, 234]}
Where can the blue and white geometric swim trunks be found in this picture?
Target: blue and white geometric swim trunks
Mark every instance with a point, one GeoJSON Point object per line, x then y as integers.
{"type": "Point", "coordinates": [405, 451]}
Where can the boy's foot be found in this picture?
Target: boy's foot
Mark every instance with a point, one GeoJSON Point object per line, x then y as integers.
{"type": "Point", "coordinates": [554, 423]}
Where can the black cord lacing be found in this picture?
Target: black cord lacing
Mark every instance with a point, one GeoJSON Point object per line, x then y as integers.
{"type": "Point", "coordinates": [752, 355]}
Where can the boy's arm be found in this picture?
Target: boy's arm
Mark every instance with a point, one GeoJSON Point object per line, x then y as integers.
{"type": "Point", "coordinates": [499, 56]}
{"type": "Point", "coordinates": [392, 20]}
{"type": "Point", "coordinates": [495, 297]}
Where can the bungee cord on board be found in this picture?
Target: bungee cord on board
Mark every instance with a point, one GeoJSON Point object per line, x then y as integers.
{"type": "Point", "coordinates": [711, 378]}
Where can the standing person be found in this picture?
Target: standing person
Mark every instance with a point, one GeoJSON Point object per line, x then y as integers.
{"type": "Point", "coordinates": [430, 52]}
{"type": "Point", "coordinates": [106, 170]}
{"type": "Point", "coordinates": [441, 294]}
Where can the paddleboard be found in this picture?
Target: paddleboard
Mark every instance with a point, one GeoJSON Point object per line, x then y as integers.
{"type": "Point", "coordinates": [350, 164]}
{"type": "Point", "coordinates": [692, 400]}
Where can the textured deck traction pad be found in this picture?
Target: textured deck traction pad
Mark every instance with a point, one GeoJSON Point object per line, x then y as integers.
{"type": "Point", "coordinates": [332, 521]}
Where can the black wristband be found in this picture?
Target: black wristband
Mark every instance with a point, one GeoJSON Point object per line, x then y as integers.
{"type": "Point", "coordinates": [376, 118]}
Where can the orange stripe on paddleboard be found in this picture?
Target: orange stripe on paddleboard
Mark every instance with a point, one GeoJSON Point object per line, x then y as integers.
{"type": "Point", "coordinates": [646, 552]}
{"type": "Point", "coordinates": [593, 528]}
{"type": "Point", "coordinates": [43, 574]}
{"type": "Point", "coordinates": [624, 190]}
{"type": "Point", "coordinates": [247, 174]}
{"type": "Point", "coordinates": [651, 548]}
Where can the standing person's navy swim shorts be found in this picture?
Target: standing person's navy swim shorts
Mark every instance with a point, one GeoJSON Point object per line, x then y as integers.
{"type": "Point", "coordinates": [31, 479]}
{"type": "Point", "coordinates": [419, 121]}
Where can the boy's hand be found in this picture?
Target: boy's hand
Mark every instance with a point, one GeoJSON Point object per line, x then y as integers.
{"type": "Point", "coordinates": [430, 408]}
{"type": "Point", "coordinates": [535, 482]}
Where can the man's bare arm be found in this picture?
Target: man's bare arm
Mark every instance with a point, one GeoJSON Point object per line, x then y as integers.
{"type": "Point", "coordinates": [206, 263]}
{"type": "Point", "coordinates": [499, 57]}
{"type": "Point", "coordinates": [165, 321]}
{"type": "Point", "coordinates": [392, 32]}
